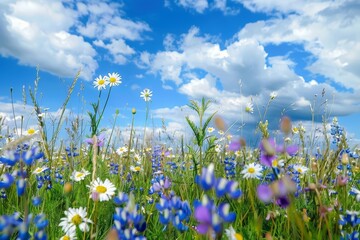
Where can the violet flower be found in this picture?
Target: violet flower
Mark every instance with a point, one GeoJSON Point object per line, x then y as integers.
{"type": "Point", "coordinates": [100, 140]}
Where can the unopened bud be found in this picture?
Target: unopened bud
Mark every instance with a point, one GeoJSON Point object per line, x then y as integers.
{"type": "Point", "coordinates": [95, 196]}
{"type": "Point", "coordinates": [312, 186]}
{"type": "Point", "coordinates": [67, 187]}
{"type": "Point", "coordinates": [285, 125]}
{"type": "Point", "coordinates": [314, 166]}
{"type": "Point", "coordinates": [133, 110]}
{"type": "Point", "coordinates": [112, 235]}
{"type": "Point", "coordinates": [345, 159]}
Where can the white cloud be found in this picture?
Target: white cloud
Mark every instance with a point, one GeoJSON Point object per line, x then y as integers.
{"type": "Point", "coordinates": [201, 66]}
{"type": "Point", "coordinates": [326, 32]}
{"type": "Point", "coordinates": [198, 88]}
{"type": "Point", "coordinates": [54, 35]}
{"type": "Point", "coordinates": [117, 48]}
{"type": "Point", "coordinates": [199, 5]}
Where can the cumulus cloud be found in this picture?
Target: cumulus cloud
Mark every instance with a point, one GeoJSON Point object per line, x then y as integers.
{"type": "Point", "coordinates": [61, 36]}
{"type": "Point", "coordinates": [199, 5]}
{"type": "Point", "coordinates": [242, 71]}
{"type": "Point", "coordinates": [326, 32]}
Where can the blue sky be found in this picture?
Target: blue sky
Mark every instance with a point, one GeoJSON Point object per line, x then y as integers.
{"type": "Point", "coordinates": [182, 50]}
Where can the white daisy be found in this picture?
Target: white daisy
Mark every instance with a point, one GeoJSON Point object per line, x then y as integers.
{"type": "Point", "coordinates": [135, 169]}
{"type": "Point", "coordinates": [75, 217]}
{"type": "Point", "coordinates": [31, 131]}
{"type": "Point", "coordinates": [232, 235]}
{"type": "Point", "coordinates": [121, 150]}
{"type": "Point", "coordinates": [101, 82]}
{"type": "Point", "coordinates": [273, 95]}
{"type": "Point", "coordinates": [300, 168]}
{"type": "Point", "coordinates": [253, 170]}
{"type": "Point", "coordinates": [114, 79]}
{"type": "Point", "coordinates": [146, 94]}
{"type": "Point", "coordinates": [69, 235]}
{"type": "Point", "coordinates": [218, 148]}
{"type": "Point", "coordinates": [105, 190]}
{"type": "Point", "coordinates": [78, 176]}
{"type": "Point", "coordinates": [210, 129]}
{"type": "Point", "coordinates": [249, 108]}
{"type": "Point", "coordinates": [39, 170]}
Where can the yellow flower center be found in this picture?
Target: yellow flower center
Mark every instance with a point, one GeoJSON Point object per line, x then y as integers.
{"type": "Point", "coordinates": [38, 170]}
{"type": "Point", "coordinates": [137, 168]}
{"type": "Point", "coordinates": [101, 82]}
{"type": "Point", "coordinates": [275, 163]}
{"type": "Point", "coordinates": [66, 237]}
{"type": "Point", "coordinates": [101, 189]}
{"type": "Point", "coordinates": [76, 219]}
{"type": "Point", "coordinates": [251, 170]}
{"type": "Point", "coordinates": [299, 170]}
{"type": "Point", "coordinates": [238, 236]}
{"type": "Point", "coordinates": [80, 174]}
{"type": "Point", "coordinates": [31, 131]}
{"type": "Point", "coordinates": [112, 80]}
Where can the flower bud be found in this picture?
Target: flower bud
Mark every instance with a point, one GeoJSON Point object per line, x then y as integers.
{"type": "Point", "coordinates": [345, 159]}
{"type": "Point", "coordinates": [133, 110]}
{"type": "Point", "coordinates": [67, 187]}
{"type": "Point", "coordinates": [286, 125]}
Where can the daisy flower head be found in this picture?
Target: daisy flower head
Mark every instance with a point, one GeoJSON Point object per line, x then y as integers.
{"type": "Point", "coordinates": [253, 170]}
{"type": "Point", "coordinates": [39, 170]}
{"type": "Point", "coordinates": [69, 235]}
{"type": "Point", "coordinates": [231, 234]}
{"type": "Point", "coordinates": [104, 189]}
{"type": "Point", "coordinates": [78, 176]}
{"type": "Point", "coordinates": [249, 108]}
{"type": "Point", "coordinates": [75, 217]}
{"type": "Point", "coordinates": [135, 169]}
{"type": "Point", "coordinates": [210, 129]}
{"type": "Point", "coordinates": [273, 95]}
{"type": "Point", "coordinates": [114, 79]}
{"type": "Point", "coordinates": [146, 94]}
{"type": "Point", "coordinates": [300, 168]}
{"type": "Point", "coordinates": [121, 150]}
{"type": "Point", "coordinates": [31, 131]}
{"type": "Point", "coordinates": [101, 82]}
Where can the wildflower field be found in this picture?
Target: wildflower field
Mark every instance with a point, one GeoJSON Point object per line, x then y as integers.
{"type": "Point", "coordinates": [61, 180]}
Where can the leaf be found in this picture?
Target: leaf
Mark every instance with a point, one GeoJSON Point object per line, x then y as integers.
{"type": "Point", "coordinates": [195, 129]}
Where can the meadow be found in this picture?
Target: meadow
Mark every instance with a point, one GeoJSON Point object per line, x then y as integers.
{"type": "Point", "coordinates": [214, 186]}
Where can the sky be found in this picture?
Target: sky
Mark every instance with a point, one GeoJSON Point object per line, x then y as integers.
{"type": "Point", "coordinates": [233, 52]}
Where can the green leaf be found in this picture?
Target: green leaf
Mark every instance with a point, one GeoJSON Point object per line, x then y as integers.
{"type": "Point", "coordinates": [195, 129]}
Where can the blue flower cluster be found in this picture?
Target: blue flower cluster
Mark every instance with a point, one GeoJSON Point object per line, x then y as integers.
{"type": "Point", "coordinates": [11, 224]}
{"type": "Point", "coordinates": [230, 164]}
{"type": "Point", "coordinates": [22, 152]}
{"type": "Point", "coordinates": [127, 221]}
{"type": "Point", "coordinates": [336, 131]}
{"type": "Point", "coordinates": [173, 210]}
{"type": "Point", "coordinates": [222, 186]}
{"type": "Point", "coordinates": [211, 217]}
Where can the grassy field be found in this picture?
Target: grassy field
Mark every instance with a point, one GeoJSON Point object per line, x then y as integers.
{"type": "Point", "coordinates": [212, 187]}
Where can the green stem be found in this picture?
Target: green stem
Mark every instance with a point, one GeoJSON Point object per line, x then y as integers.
{"type": "Point", "coordinates": [102, 112]}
